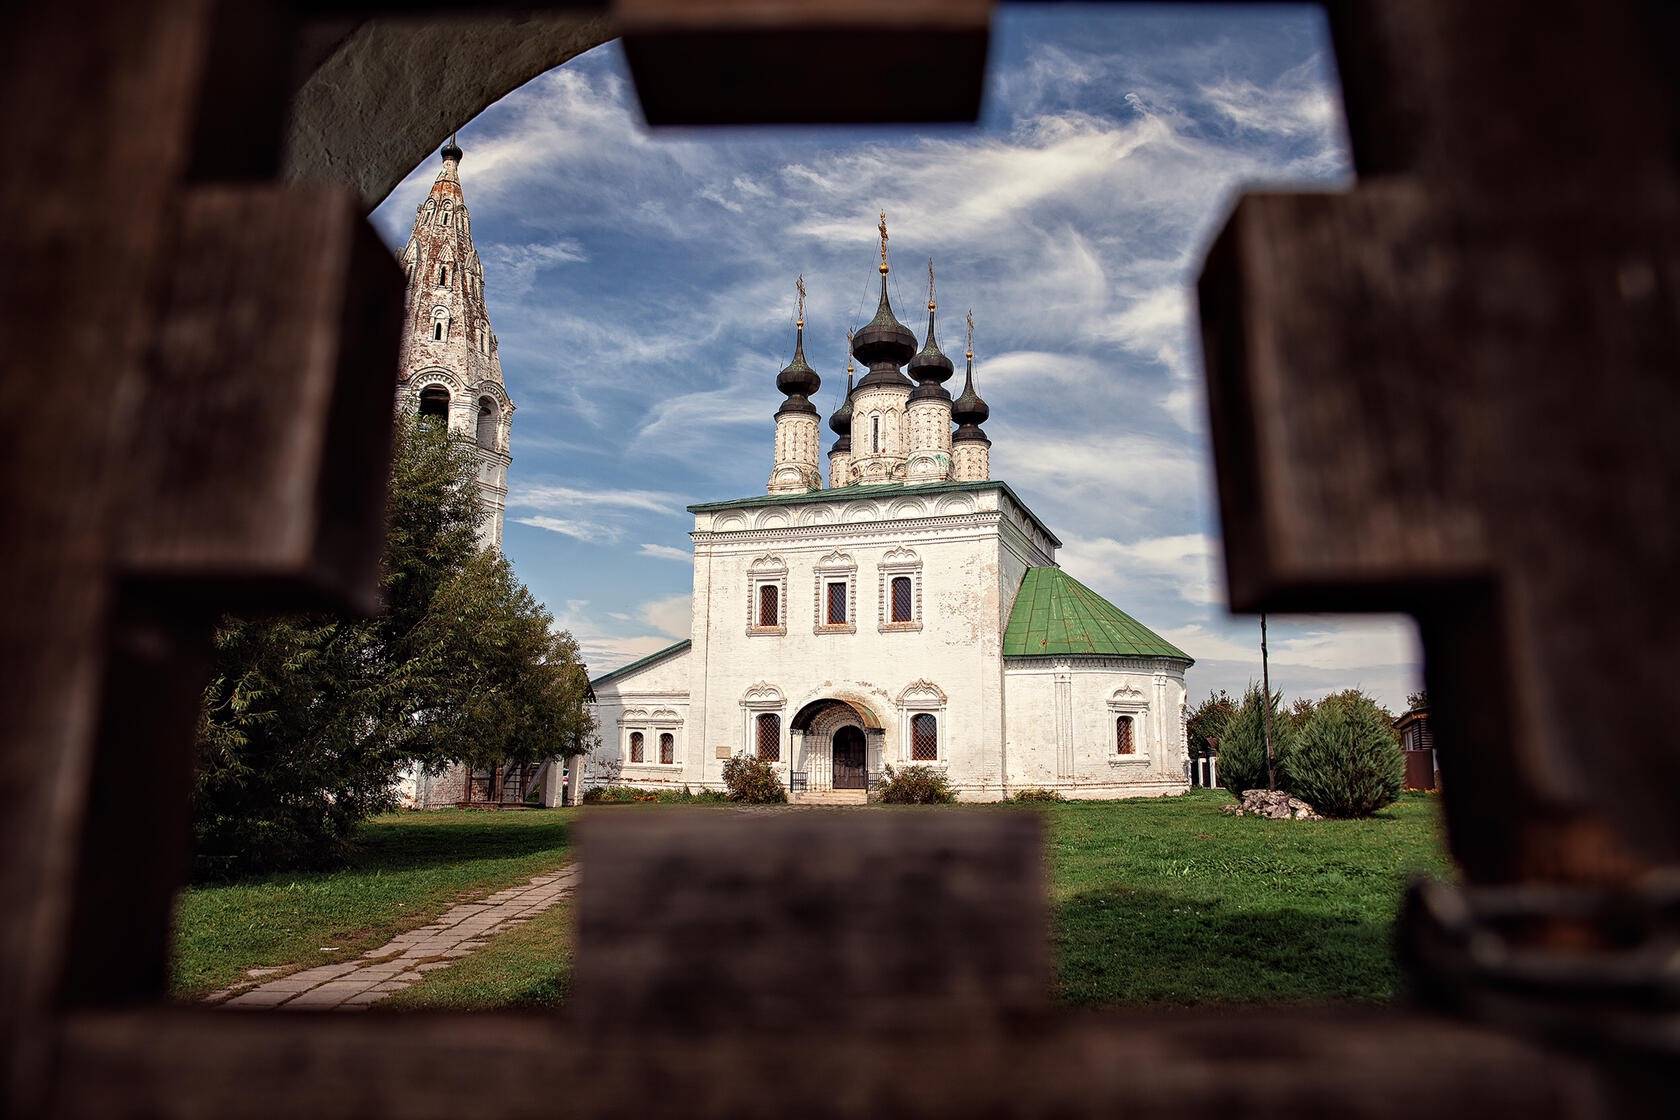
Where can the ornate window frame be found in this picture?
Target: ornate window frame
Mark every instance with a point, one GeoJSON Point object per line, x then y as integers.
{"type": "Point", "coordinates": [923, 697]}
{"type": "Point", "coordinates": [898, 562]}
{"type": "Point", "coordinates": [1133, 703]}
{"type": "Point", "coordinates": [767, 570]}
{"type": "Point", "coordinates": [665, 722]}
{"type": "Point", "coordinates": [836, 567]}
{"type": "Point", "coordinates": [764, 698]}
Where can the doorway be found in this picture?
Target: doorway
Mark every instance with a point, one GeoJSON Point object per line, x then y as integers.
{"type": "Point", "coordinates": [848, 759]}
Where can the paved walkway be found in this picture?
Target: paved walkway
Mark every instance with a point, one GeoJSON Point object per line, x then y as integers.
{"type": "Point", "coordinates": [359, 984]}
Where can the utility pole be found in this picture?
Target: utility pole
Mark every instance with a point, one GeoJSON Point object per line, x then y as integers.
{"type": "Point", "coordinates": [1266, 711]}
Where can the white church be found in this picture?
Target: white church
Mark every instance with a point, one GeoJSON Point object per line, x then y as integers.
{"type": "Point", "coordinates": [911, 612]}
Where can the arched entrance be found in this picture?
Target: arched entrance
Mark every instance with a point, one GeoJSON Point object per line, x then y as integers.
{"type": "Point", "coordinates": [849, 759]}
{"type": "Point", "coordinates": [836, 744]}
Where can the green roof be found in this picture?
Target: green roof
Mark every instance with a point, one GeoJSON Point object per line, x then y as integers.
{"type": "Point", "coordinates": [1056, 615]}
{"type": "Point", "coordinates": [876, 490]}
{"type": "Point", "coordinates": [642, 662]}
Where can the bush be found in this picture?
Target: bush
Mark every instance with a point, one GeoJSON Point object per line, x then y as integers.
{"type": "Point", "coordinates": [753, 781]}
{"type": "Point", "coordinates": [1346, 761]}
{"type": "Point", "coordinates": [1036, 794]}
{"type": "Point", "coordinates": [915, 785]}
{"type": "Point", "coordinates": [618, 795]}
{"type": "Point", "coordinates": [1242, 749]}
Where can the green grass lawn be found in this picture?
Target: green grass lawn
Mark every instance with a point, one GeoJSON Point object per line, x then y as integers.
{"type": "Point", "coordinates": [1168, 901]}
{"type": "Point", "coordinates": [1158, 901]}
{"type": "Point", "coordinates": [408, 869]}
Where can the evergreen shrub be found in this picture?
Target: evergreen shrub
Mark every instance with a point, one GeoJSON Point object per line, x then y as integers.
{"type": "Point", "coordinates": [915, 785]}
{"type": "Point", "coordinates": [1346, 761]}
{"type": "Point", "coordinates": [753, 781]}
{"type": "Point", "coordinates": [1242, 748]}
{"type": "Point", "coordinates": [1036, 794]}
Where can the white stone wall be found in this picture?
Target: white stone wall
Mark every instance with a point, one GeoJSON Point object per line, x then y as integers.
{"type": "Point", "coordinates": [653, 701]}
{"type": "Point", "coordinates": [879, 460]}
{"type": "Point", "coordinates": [839, 468]}
{"type": "Point", "coordinates": [971, 461]}
{"type": "Point", "coordinates": [1061, 725]}
{"type": "Point", "coordinates": [930, 441]}
{"type": "Point", "coordinates": [797, 449]}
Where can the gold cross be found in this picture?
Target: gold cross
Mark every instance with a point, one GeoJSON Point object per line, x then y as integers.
{"type": "Point", "coordinates": [799, 286]}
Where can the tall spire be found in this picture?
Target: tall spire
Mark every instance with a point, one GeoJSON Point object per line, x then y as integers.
{"type": "Point", "coordinates": [798, 381]}
{"type": "Point", "coordinates": [969, 411]}
{"type": "Point", "coordinates": [840, 423]}
{"type": "Point", "coordinates": [930, 368]}
{"type": "Point", "coordinates": [884, 342]}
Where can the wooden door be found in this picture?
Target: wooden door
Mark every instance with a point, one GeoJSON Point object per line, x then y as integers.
{"type": "Point", "coordinates": [848, 759]}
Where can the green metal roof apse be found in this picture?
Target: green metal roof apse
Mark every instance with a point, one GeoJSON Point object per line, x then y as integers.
{"type": "Point", "coordinates": [1055, 614]}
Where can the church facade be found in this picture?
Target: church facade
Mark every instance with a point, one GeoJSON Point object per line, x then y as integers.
{"type": "Point", "coordinates": [911, 612]}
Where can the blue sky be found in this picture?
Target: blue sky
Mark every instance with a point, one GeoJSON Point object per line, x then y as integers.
{"type": "Point", "coordinates": [641, 285]}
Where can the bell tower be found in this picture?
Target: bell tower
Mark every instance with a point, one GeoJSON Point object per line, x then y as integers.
{"type": "Point", "coordinates": [450, 365]}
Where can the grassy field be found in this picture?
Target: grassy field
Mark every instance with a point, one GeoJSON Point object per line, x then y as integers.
{"type": "Point", "coordinates": [409, 868]}
{"type": "Point", "coordinates": [1171, 902]}
{"type": "Point", "coordinates": [1160, 901]}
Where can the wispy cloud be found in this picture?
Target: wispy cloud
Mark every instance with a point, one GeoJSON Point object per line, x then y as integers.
{"type": "Point", "coordinates": [590, 532]}
{"type": "Point", "coordinates": [666, 552]}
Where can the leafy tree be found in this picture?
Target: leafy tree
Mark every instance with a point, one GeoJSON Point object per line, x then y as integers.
{"type": "Point", "coordinates": [1346, 761]}
{"type": "Point", "coordinates": [309, 720]}
{"type": "Point", "coordinates": [752, 781]}
{"type": "Point", "coordinates": [1418, 699]}
{"type": "Point", "coordinates": [1209, 719]}
{"type": "Point", "coordinates": [1242, 750]}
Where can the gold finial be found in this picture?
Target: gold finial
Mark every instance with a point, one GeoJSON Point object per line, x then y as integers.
{"type": "Point", "coordinates": [883, 228]}
{"type": "Point", "coordinates": [970, 349]}
{"type": "Point", "coordinates": [849, 334]}
{"type": "Point", "coordinates": [799, 286]}
{"type": "Point", "coordinates": [931, 304]}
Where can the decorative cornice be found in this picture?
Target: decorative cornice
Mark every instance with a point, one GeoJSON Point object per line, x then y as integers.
{"type": "Point", "coordinates": [851, 528]}
{"type": "Point", "coordinates": [923, 691]}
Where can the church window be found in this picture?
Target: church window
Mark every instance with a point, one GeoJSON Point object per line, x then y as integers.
{"type": "Point", "coordinates": [487, 417]}
{"type": "Point", "coordinates": [1123, 741]}
{"type": "Point", "coordinates": [903, 599]}
{"type": "Point", "coordinates": [924, 738]}
{"type": "Point", "coordinates": [667, 748]}
{"type": "Point", "coordinates": [875, 434]}
{"type": "Point", "coordinates": [769, 737]}
{"type": "Point", "coordinates": [443, 274]}
{"type": "Point", "coordinates": [769, 605]}
{"type": "Point", "coordinates": [635, 746]}
{"type": "Point", "coordinates": [446, 217]}
{"type": "Point", "coordinates": [836, 604]}
{"type": "Point", "coordinates": [437, 331]}
{"type": "Point", "coordinates": [434, 401]}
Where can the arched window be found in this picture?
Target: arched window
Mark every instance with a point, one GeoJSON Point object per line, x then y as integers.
{"type": "Point", "coordinates": [434, 401]}
{"type": "Point", "coordinates": [770, 737]}
{"type": "Point", "coordinates": [1123, 741]}
{"type": "Point", "coordinates": [443, 274]}
{"type": "Point", "coordinates": [667, 748]}
{"type": "Point", "coordinates": [875, 434]}
{"type": "Point", "coordinates": [446, 217]}
{"type": "Point", "coordinates": [635, 746]}
{"type": "Point", "coordinates": [903, 600]}
{"type": "Point", "coordinates": [769, 605]}
{"type": "Point", "coordinates": [924, 738]}
{"type": "Point", "coordinates": [437, 331]}
{"type": "Point", "coordinates": [488, 414]}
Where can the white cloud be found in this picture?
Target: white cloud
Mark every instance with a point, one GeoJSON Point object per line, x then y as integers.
{"type": "Point", "coordinates": [590, 532]}
{"type": "Point", "coordinates": [671, 615]}
{"type": "Point", "coordinates": [1184, 565]}
{"type": "Point", "coordinates": [551, 497]}
{"type": "Point", "coordinates": [514, 268]}
{"type": "Point", "coordinates": [666, 552]}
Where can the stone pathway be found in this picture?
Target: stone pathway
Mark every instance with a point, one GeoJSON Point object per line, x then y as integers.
{"type": "Point", "coordinates": [359, 984]}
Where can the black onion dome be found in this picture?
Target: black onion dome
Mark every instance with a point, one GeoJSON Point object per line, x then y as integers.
{"type": "Point", "coordinates": [930, 367]}
{"type": "Point", "coordinates": [884, 344]}
{"type": "Point", "coordinates": [969, 410]}
{"type": "Point", "coordinates": [841, 422]}
{"type": "Point", "coordinates": [451, 150]}
{"type": "Point", "coordinates": [798, 377]}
